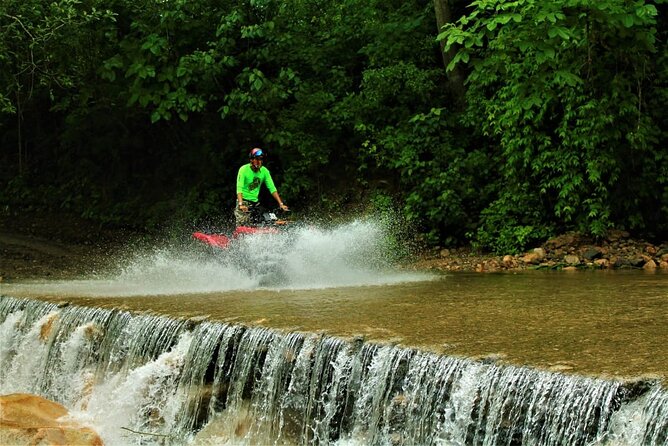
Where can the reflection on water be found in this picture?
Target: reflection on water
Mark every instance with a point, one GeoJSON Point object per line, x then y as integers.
{"type": "Point", "coordinates": [602, 323]}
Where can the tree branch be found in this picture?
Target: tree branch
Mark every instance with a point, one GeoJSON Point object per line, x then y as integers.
{"type": "Point", "coordinates": [144, 433]}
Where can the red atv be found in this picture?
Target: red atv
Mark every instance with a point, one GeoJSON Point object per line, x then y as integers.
{"type": "Point", "coordinates": [255, 248]}
{"type": "Point", "coordinates": [262, 222]}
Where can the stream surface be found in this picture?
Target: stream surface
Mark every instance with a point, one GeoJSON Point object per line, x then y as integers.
{"type": "Point", "coordinates": [609, 324]}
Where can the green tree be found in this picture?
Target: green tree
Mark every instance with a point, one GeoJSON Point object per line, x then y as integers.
{"type": "Point", "coordinates": [562, 87]}
{"type": "Point", "coordinates": [40, 53]}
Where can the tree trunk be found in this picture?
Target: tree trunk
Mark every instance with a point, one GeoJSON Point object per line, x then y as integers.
{"type": "Point", "coordinates": [19, 131]}
{"type": "Point", "coordinates": [443, 11]}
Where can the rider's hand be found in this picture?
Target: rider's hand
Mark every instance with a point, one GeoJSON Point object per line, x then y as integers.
{"type": "Point", "coordinates": [283, 207]}
{"type": "Point", "coordinates": [243, 208]}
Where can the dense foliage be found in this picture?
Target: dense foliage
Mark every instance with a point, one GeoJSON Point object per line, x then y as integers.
{"type": "Point", "coordinates": [140, 112]}
{"type": "Point", "coordinates": [571, 92]}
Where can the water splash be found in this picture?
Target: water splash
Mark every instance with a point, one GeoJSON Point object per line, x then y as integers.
{"type": "Point", "coordinates": [143, 379]}
{"type": "Point", "coordinates": [642, 422]}
{"type": "Point", "coordinates": [352, 254]}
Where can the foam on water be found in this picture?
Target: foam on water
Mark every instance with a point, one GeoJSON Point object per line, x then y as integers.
{"type": "Point", "coordinates": [352, 254]}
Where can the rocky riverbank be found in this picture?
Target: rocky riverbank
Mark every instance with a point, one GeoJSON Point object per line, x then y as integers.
{"type": "Point", "coordinates": [568, 252]}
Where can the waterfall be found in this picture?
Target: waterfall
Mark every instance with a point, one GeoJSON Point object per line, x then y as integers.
{"type": "Point", "coordinates": [149, 379]}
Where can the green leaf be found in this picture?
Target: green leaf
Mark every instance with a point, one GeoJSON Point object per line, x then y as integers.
{"type": "Point", "coordinates": [503, 19]}
{"type": "Point", "coordinates": [560, 31]}
{"type": "Point", "coordinates": [627, 20]}
{"type": "Point", "coordinates": [568, 78]}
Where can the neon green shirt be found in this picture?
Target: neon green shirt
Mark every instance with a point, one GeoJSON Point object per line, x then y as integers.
{"type": "Point", "coordinates": [249, 182]}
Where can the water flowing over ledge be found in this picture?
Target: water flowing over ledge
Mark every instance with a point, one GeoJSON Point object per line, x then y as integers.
{"type": "Point", "coordinates": [147, 379]}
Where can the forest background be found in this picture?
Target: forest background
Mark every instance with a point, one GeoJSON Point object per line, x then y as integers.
{"type": "Point", "coordinates": [496, 123]}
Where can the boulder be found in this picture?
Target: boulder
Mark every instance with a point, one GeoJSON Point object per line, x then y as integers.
{"type": "Point", "coordinates": [602, 263]}
{"type": "Point", "coordinates": [531, 258]}
{"type": "Point", "coordinates": [571, 259]}
{"type": "Point", "coordinates": [592, 254]}
{"type": "Point", "coordinates": [30, 419]}
{"type": "Point", "coordinates": [540, 252]}
{"type": "Point", "coordinates": [509, 261]}
{"type": "Point", "coordinates": [650, 264]}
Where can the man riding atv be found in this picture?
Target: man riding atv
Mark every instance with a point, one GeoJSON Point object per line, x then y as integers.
{"type": "Point", "coordinates": [249, 179]}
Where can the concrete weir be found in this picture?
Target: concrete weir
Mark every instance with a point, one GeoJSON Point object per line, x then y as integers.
{"type": "Point", "coordinates": [139, 378]}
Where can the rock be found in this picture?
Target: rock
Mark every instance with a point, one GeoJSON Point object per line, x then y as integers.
{"type": "Point", "coordinates": [637, 262]}
{"type": "Point", "coordinates": [561, 241]}
{"type": "Point", "coordinates": [616, 234]}
{"type": "Point", "coordinates": [651, 250]}
{"type": "Point", "coordinates": [558, 253]}
{"type": "Point", "coordinates": [540, 252]}
{"type": "Point", "coordinates": [592, 254]}
{"type": "Point", "coordinates": [30, 419]}
{"type": "Point", "coordinates": [492, 265]}
{"type": "Point", "coordinates": [492, 358]}
{"type": "Point", "coordinates": [602, 263]}
{"type": "Point", "coordinates": [571, 259]}
{"type": "Point", "coordinates": [663, 264]}
{"type": "Point", "coordinates": [621, 262]}
{"type": "Point", "coordinates": [47, 327]}
{"type": "Point", "coordinates": [637, 387]}
{"type": "Point", "coordinates": [445, 253]}
{"type": "Point", "coordinates": [509, 261]}
{"type": "Point", "coordinates": [560, 367]}
{"type": "Point", "coordinates": [192, 322]}
{"type": "Point", "coordinates": [531, 258]}
{"type": "Point", "coordinates": [649, 265]}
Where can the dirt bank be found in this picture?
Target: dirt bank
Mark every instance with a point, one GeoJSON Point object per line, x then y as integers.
{"type": "Point", "coordinates": [58, 246]}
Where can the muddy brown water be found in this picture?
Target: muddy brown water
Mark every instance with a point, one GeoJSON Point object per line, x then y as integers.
{"type": "Point", "coordinates": [610, 324]}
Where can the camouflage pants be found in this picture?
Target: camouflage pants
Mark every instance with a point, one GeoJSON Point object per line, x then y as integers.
{"type": "Point", "coordinates": [243, 218]}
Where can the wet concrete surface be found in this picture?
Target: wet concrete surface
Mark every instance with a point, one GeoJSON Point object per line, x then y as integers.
{"type": "Point", "coordinates": [598, 323]}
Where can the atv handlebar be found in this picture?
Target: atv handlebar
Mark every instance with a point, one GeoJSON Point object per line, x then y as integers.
{"type": "Point", "coordinates": [262, 216]}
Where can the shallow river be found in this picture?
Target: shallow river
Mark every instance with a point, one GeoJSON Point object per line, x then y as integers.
{"type": "Point", "coordinates": [611, 324]}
